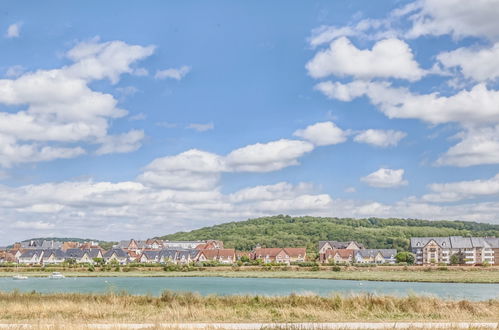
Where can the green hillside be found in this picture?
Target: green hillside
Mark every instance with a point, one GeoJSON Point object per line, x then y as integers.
{"type": "Point", "coordinates": [281, 231]}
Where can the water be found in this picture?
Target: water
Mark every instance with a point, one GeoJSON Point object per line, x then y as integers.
{"type": "Point", "coordinates": [249, 286]}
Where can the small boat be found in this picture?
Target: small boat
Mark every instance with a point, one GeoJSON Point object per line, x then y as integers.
{"type": "Point", "coordinates": [19, 277]}
{"type": "Point", "coordinates": [56, 276]}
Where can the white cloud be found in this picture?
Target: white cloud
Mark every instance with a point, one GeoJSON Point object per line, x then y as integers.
{"type": "Point", "coordinates": [322, 134]}
{"type": "Point", "coordinates": [201, 127]}
{"type": "Point", "coordinates": [477, 146]}
{"type": "Point", "coordinates": [389, 58]}
{"type": "Point", "coordinates": [476, 106]}
{"type": "Point", "coordinates": [14, 30]}
{"type": "Point", "coordinates": [121, 143]}
{"type": "Point", "coordinates": [455, 17]}
{"type": "Point", "coordinates": [15, 71]}
{"type": "Point", "coordinates": [477, 64]}
{"type": "Point", "coordinates": [385, 178]}
{"type": "Point", "coordinates": [37, 225]}
{"type": "Point", "coordinates": [265, 157]}
{"type": "Point", "coordinates": [60, 106]}
{"type": "Point", "coordinates": [456, 191]}
{"type": "Point", "coordinates": [176, 74]}
{"type": "Point", "coordinates": [380, 138]}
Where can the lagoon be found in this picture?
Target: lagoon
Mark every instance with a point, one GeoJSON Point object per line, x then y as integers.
{"type": "Point", "coordinates": [249, 286]}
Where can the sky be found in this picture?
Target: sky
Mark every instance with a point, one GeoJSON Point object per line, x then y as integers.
{"type": "Point", "coordinates": [120, 119]}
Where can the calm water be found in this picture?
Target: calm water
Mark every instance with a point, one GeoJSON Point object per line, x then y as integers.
{"type": "Point", "coordinates": [250, 286]}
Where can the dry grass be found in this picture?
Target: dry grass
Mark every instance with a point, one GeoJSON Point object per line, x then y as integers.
{"type": "Point", "coordinates": [18, 307]}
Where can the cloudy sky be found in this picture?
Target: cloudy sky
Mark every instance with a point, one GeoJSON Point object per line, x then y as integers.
{"type": "Point", "coordinates": [122, 120]}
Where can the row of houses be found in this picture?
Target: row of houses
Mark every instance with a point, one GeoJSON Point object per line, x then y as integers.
{"type": "Point", "coordinates": [455, 250]}
{"type": "Point", "coordinates": [427, 250]}
{"type": "Point", "coordinates": [354, 252]}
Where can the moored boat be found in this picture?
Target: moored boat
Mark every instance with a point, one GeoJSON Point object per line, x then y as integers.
{"type": "Point", "coordinates": [19, 277]}
{"type": "Point", "coordinates": [56, 276]}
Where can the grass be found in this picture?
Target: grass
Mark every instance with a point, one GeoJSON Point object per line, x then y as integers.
{"type": "Point", "coordinates": [190, 307]}
{"type": "Point", "coordinates": [380, 273]}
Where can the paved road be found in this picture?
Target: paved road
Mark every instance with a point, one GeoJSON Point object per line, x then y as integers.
{"type": "Point", "coordinates": [258, 326]}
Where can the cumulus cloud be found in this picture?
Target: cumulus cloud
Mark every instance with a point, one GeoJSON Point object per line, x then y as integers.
{"type": "Point", "coordinates": [478, 64]}
{"type": "Point", "coordinates": [380, 138]}
{"type": "Point", "coordinates": [389, 58]}
{"type": "Point", "coordinates": [176, 74]}
{"type": "Point", "coordinates": [13, 31]}
{"type": "Point", "coordinates": [477, 146]}
{"type": "Point", "coordinates": [322, 134]}
{"type": "Point", "coordinates": [477, 105]}
{"type": "Point", "coordinates": [61, 108]}
{"type": "Point", "coordinates": [385, 178]}
{"type": "Point", "coordinates": [121, 143]}
{"type": "Point", "coordinates": [201, 127]}
{"type": "Point", "coordinates": [265, 157]}
{"type": "Point", "coordinates": [456, 191]}
{"type": "Point", "coordinates": [457, 18]}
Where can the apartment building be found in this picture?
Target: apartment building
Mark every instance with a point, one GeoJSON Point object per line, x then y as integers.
{"type": "Point", "coordinates": [454, 249]}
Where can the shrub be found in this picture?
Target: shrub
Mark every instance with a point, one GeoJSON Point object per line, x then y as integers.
{"type": "Point", "coordinates": [336, 268]}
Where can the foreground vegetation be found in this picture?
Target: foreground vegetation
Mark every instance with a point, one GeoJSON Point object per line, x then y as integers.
{"type": "Point", "coordinates": [286, 231]}
{"type": "Point", "coordinates": [441, 274]}
{"type": "Point", "coordinates": [190, 307]}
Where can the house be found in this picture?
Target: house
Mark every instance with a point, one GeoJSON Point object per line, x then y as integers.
{"type": "Point", "coordinates": [210, 245]}
{"type": "Point", "coordinates": [69, 245]}
{"type": "Point", "coordinates": [6, 256]}
{"type": "Point", "coordinates": [150, 257]}
{"type": "Point", "coordinates": [116, 255]}
{"type": "Point", "coordinates": [154, 244]}
{"type": "Point", "coordinates": [296, 254]}
{"type": "Point", "coordinates": [31, 257]}
{"type": "Point", "coordinates": [53, 257]}
{"type": "Point", "coordinates": [325, 248]}
{"type": "Point", "coordinates": [84, 255]}
{"type": "Point", "coordinates": [224, 256]}
{"type": "Point", "coordinates": [338, 256]}
{"type": "Point", "coordinates": [375, 256]}
{"type": "Point", "coordinates": [279, 255]}
{"type": "Point", "coordinates": [463, 250]}
{"type": "Point", "coordinates": [186, 256]}
{"type": "Point", "coordinates": [168, 256]}
{"type": "Point", "coordinates": [41, 244]}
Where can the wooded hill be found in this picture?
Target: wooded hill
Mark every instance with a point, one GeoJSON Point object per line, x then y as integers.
{"type": "Point", "coordinates": [282, 231]}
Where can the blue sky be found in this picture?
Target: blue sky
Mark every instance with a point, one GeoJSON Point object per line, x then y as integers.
{"type": "Point", "coordinates": [119, 119]}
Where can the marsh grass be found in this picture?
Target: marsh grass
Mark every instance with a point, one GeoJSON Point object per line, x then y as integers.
{"type": "Point", "coordinates": [19, 307]}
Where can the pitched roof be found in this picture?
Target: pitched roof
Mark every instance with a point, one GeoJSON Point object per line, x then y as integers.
{"type": "Point", "coordinates": [422, 241]}
{"type": "Point", "coordinates": [343, 253]}
{"type": "Point", "coordinates": [218, 253]}
{"type": "Point", "coordinates": [386, 253]}
{"type": "Point", "coordinates": [339, 245]}
{"type": "Point", "coordinates": [493, 242]}
{"type": "Point", "coordinates": [120, 253]}
{"type": "Point", "coordinates": [295, 252]}
{"type": "Point", "coordinates": [271, 252]}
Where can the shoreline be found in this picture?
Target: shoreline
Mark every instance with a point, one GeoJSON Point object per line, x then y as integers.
{"type": "Point", "coordinates": [379, 274]}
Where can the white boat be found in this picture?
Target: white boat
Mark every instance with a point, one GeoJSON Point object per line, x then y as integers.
{"type": "Point", "coordinates": [19, 277]}
{"type": "Point", "coordinates": [56, 276]}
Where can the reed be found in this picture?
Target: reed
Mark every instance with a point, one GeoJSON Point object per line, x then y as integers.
{"type": "Point", "coordinates": [190, 307]}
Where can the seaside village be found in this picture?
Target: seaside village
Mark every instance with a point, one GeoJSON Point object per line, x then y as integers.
{"type": "Point", "coordinates": [426, 250]}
